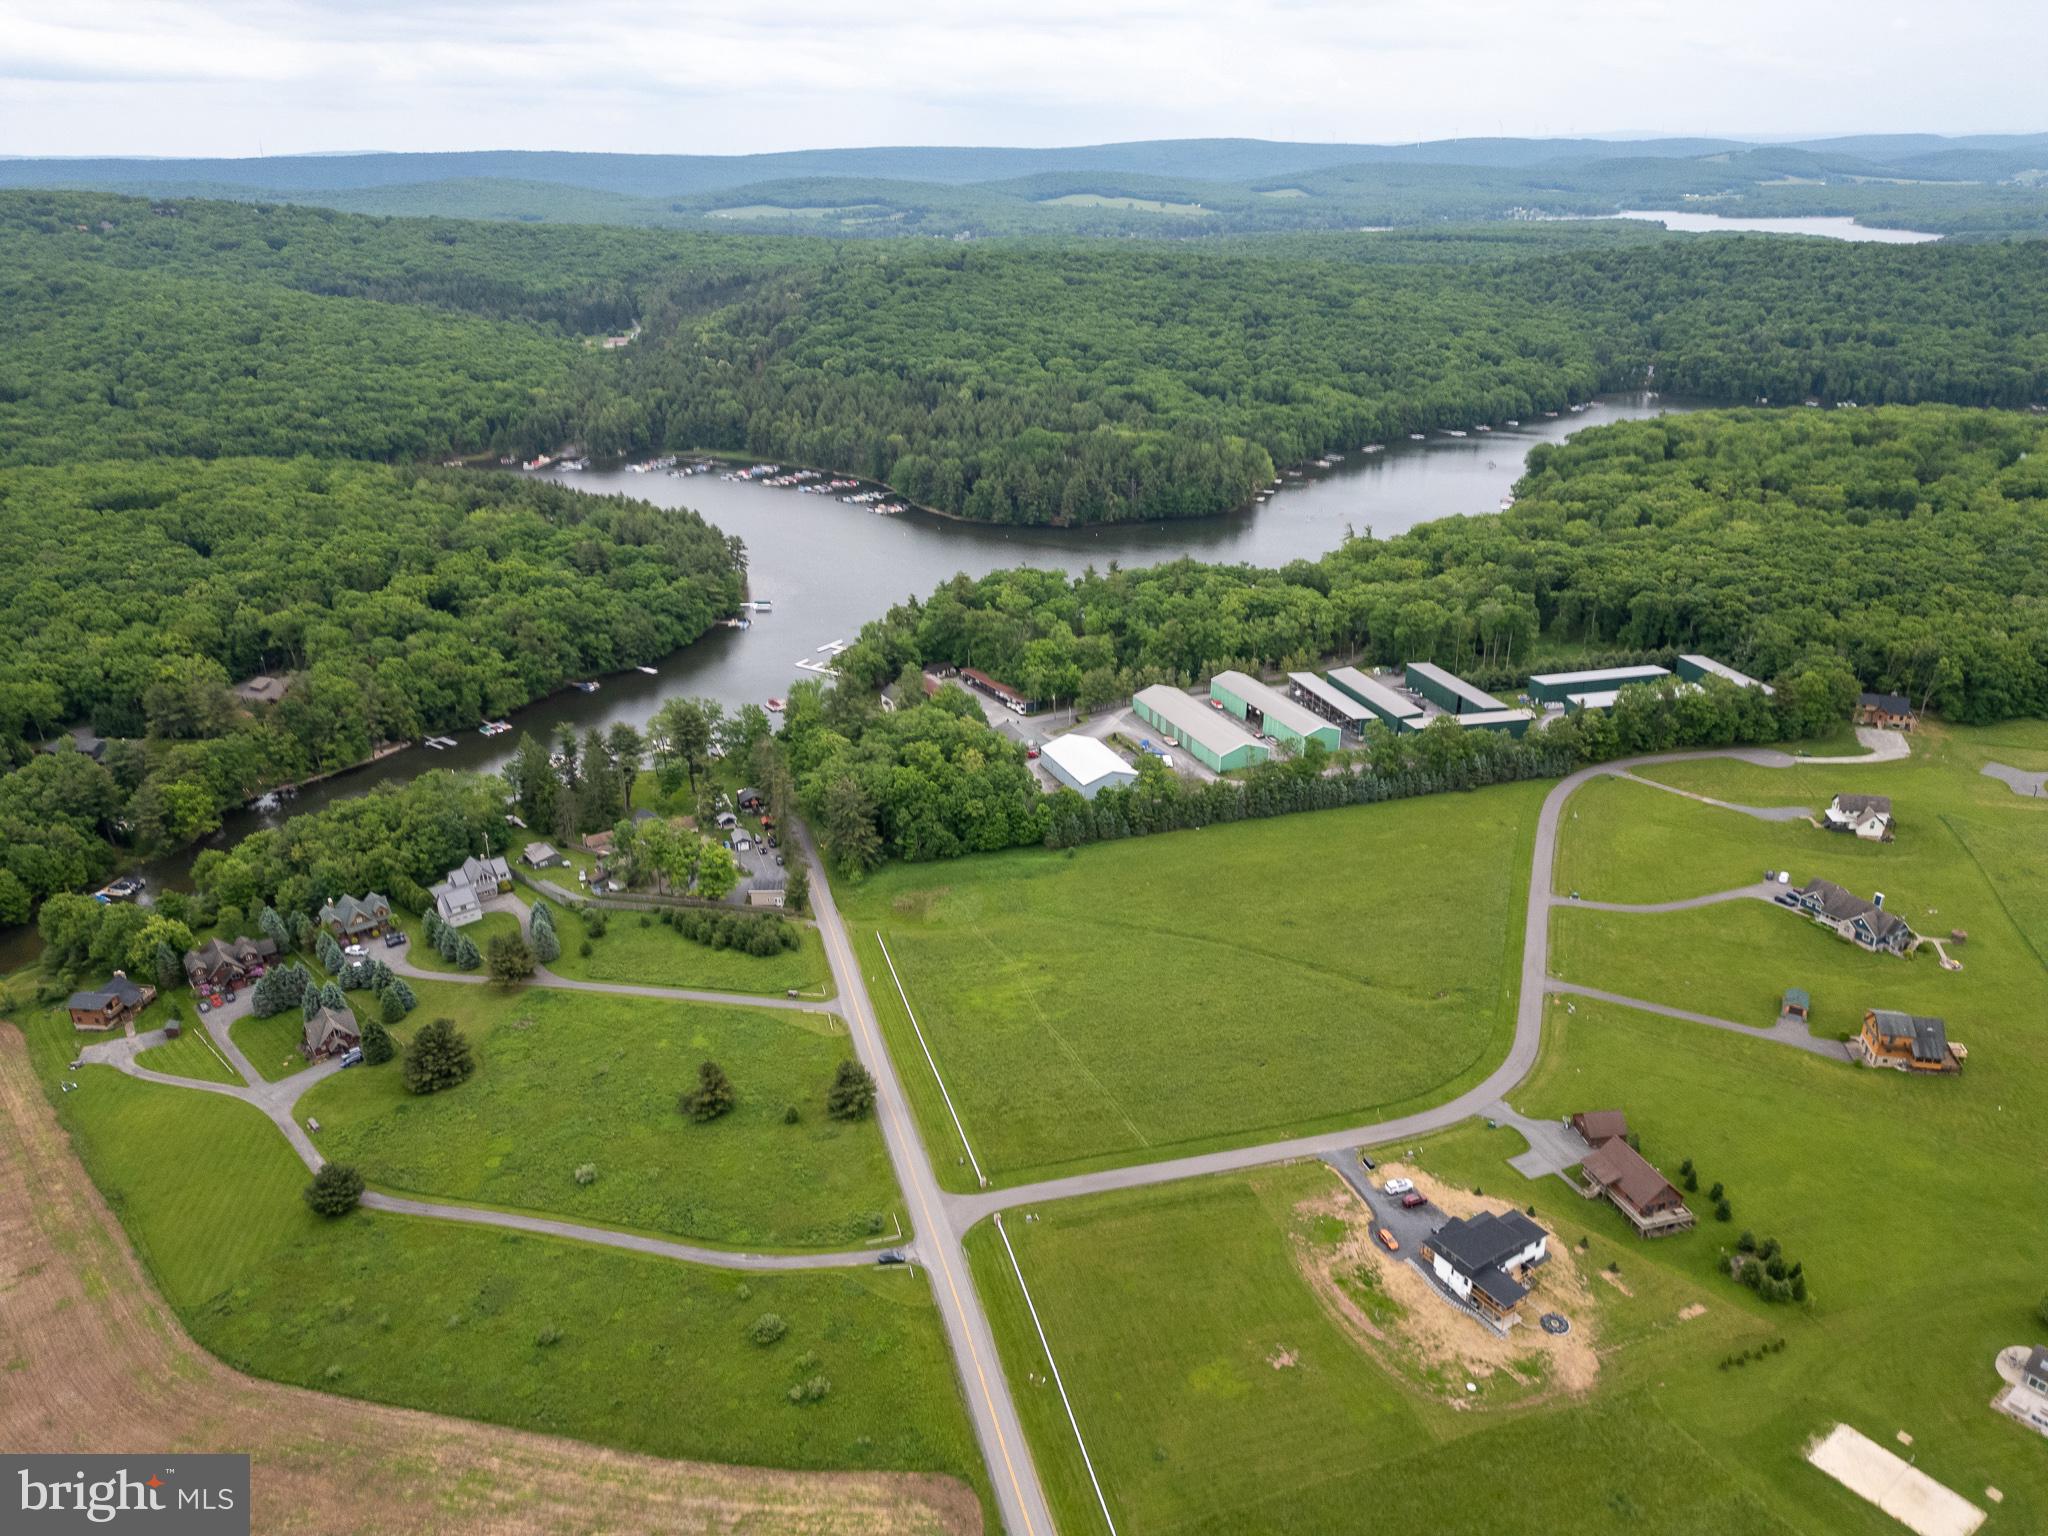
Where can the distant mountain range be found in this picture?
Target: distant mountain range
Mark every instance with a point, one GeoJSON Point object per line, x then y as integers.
{"type": "Point", "coordinates": [1984, 184]}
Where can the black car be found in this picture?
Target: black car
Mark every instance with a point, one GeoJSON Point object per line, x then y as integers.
{"type": "Point", "coordinates": [394, 939]}
{"type": "Point", "coordinates": [892, 1256]}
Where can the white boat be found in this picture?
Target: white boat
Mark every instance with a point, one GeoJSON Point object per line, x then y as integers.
{"type": "Point", "coordinates": [650, 671]}
{"type": "Point", "coordinates": [440, 743]}
{"type": "Point", "coordinates": [1416, 437]}
{"type": "Point", "coordinates": [1455, 432]}
{"type": "Point", "coordinates": [585, 686]}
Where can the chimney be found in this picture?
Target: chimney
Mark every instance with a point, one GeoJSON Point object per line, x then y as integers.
{"type": "Point", "coordinates": [1878, 897]}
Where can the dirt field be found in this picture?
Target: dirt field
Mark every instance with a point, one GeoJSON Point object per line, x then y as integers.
{"type": "Point", "coordinates": [1898, 1488]}
{"type": "Point", "coordinates": [94, 1359]}
{"type": "Point", "coordinates": [1429, 1331]}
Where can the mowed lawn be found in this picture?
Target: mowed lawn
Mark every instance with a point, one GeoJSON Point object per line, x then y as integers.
{"type": "Point", "coordinates": [499, 922]}
{"type": "Point", "coordinates": [1150, 998]}
{"type": "Point", "coordinates": [272, 1044]}
{"type": "Point", "coordinates": [1168, 1307]}
{"type": "Point", "coordinates": [192, 1054]}
{"type": "Point", "coordinates": [622, 1349]}
{"type": "Point", "coordinates": [577, 1080]}
{"type": "Point", "coordinates": [638, 947]}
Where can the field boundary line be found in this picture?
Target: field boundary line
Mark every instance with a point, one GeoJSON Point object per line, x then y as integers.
{"type": "Point", "coordinates": [1044, 1344]}
{"type": "Point", "coordinates": [980, 1178]}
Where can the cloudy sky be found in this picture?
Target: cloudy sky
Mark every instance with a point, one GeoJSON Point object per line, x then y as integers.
{"type": "Point", "coordinates": [243, 77]}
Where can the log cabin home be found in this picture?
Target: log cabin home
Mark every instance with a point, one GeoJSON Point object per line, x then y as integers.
{"type": "Point", "coordinates": [1909, 1042]}
{"type": "Point", "coordinates": [112, 1006]}
{"type": "Point", "coordinates": [1652, 1204]}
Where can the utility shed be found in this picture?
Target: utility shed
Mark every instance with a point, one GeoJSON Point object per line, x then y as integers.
{"type": "Point", "coordinates": [1269, 711]}
{"type": "Point", "coordinates": [1555, 687]}
{"type": "Point", "coordinates": [1449, 693]}
{"type": "Point", "coordinates": [1085, 765]}
{"type": "Point", "coordinates": [1375, 696]}
{"type": "Point", "coordinates": [1694, 668]}
{"type": "Point", "coordinates": [1211, 736]}
{"type": "Point", "coordinates": [1327, 700]}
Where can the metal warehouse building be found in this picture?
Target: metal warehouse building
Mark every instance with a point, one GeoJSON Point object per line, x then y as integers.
{"type": "Point", "coordinates": [1513, 721]}
{"type": "Point", "coordinates": [1376, 696]}
{"type": "Point", "coordinates": [1212, 737]}
{"type": "Point", "coordinates": [1693, 668]}
{"type": "Point", "coordinates": [1278, 716]}
{"type": "Point", "coordinates": [1556, 687]}
{"type": "Point", "coordinates": [1085, 765]}
{"type": "Point", "coordinates": [1452, 694]}
{"type": "Point", "coordinates": [1325, 700]}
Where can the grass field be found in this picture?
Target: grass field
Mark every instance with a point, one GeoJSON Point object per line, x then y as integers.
{"type": "Point", "coordinates": [1150, 998]}
{"type": "Point", "coordinates": [656, 955]}
{"type": "Point", "coordinates": [272, 1044]}
{"type": "Point", "coordinates": [192, 1054]}
{"type": "Point", "coordinates": [625, 1350]}
{"type": "Point", "coordinates": [566, 1080]}
{"type": "Point", "coordinates": [420, 953]}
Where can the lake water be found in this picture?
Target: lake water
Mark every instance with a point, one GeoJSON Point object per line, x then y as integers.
{"type": "Point", "coordinates": [828, 568]}
{"type": "Point", "coordinates": [1831, 227]}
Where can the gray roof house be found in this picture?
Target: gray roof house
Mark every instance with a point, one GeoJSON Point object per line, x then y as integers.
{"type": "Point", "coordinates": [1487, 1258]}
{"type": "Point", "coordinates": [1867, 816]}
{"type": "Point", "coordinates": [1863, 923]}
{"type": "Point", "coordinates": [346, 918]}
{"type": "Point", "coordinates": [459, 899]}
{"type": "Point", "coordinates": [2035, 1372]}
{"type": "Point", "coordinates": [329, 1032]}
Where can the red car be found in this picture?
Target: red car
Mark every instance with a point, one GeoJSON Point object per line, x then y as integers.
{"type": "Point", "coordinates": [1412, 1199]}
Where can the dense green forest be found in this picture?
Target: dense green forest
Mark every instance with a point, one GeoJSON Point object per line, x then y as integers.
{"type": "Point", "coordinates": [396, 603]}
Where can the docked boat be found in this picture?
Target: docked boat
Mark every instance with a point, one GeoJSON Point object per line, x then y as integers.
{"type": "Point", "coordinates": [1456, 432]}
{"type": "Point", "coordinates": [775, 706]}
{"type": "Point", "coordinates": [541, 462]}
{"type": "Point", "coordinates": [761, 605]}
{"type": "Point", "coordinates": [440, 743]}
{"type": "Point", "coordinates": [650, 671]}
{"type": "Point", "coordinates": [586, 686]}
{"type": "Point", "coordinates": [1417, 437]}
{"type": "Point", "coordinates": [495, 727]}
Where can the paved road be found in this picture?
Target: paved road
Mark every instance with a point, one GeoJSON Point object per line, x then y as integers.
{"type": "Point", "coordinates": [1762, 890]}
{"type": "Point", "coordinates": [1019, 1495]}
{"type": "Point", "coordinates": [1792, 1032]}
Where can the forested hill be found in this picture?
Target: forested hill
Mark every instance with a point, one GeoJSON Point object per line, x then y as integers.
{"type": "Point", "coordinates": [1908, 544]}
{"type": "Point", "coordinates": [134, 594]}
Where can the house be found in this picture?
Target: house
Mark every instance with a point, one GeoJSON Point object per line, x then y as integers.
{"type": "Point", "coordinates": [1636, 1189]}
{"type": "Point", "coordinates": [347, 919]}
{"type": "Point", "coordinates": [599, 843]}
{"type": "Point", "coordinates": [459, 899]}
{"type": "Point", "coordinates": [749, 800]}
{"type": "Point", "coordinates": [260, 690]}
{"type": "Point", "coordinates": [329, 1032]}
{"type": "Point", "coordinates": [1598, 1126]}
{"type": "Point", "coordinates": [1867, 816]}
{"type": "Point", "coordinates": [2034, 1374]}
{"type": "Point", "coordinates": [113, 1006]}
{"type": "Point", "coordinates": [1488, 1259]}
{"type": "Point", "coordinates": [1797, 1004]}
{"type": "Point", "coordinates": [1893, 710]}
{"type": "Point", "coordinates": [1907, 1041]}
{"type": "Point", "coordinates": [1863, 923]}
{"type": "Point", "coordinates": [227, 963]}
{"type": "Point", "coordinates": [542, 856]}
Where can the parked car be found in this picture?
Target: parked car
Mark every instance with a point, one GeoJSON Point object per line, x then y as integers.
{"type": "Point", "coordinates": [205, 1006]}
{"type": "Point", "coordinates": [1399, 1186]}
{"type": "Point", "coordinates": [228, 996]}
{"type": "Point", "coordinates": [354, 951]}
{"type": "Point", "coordinates": [1412, 1199]}
{"type": "Point", "coordinates": [1387, 1240]}
{"type": "Point", "coordinates": [352, 1057]}
{"type": "Point", "coordinates": [1366, 1163]}
{"type": "Point", "coordinates": [1031, 751]}
{"type": "Point", "coordinates": [395, 939]}
{"type": "Point", "coordinates": [891, 1256]}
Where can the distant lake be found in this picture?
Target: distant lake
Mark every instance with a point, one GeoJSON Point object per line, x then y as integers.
{"type": "Point", "coordinates": [1827, 226]}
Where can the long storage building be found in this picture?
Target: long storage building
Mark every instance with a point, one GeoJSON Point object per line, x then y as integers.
{"type": "Point", "coordinates": [1694, 668]}
{"type": "Point", "coordinates": [1556, 687]}
{"type": "Point", "coordinates": [1450, 693]}
{"type": "Point", "coordinates": [1269, 711]}
{"type": "Point", "coordinates": [1514, 721]}
{"type": "Point", "coordinates": [1085, 765]}
{"type": "Point", "coordinates": [1211, 736]}
{"type": "Point", "coordinates": [1377, 697]}
{"type": "Point", "coordinates": [1329, 701]}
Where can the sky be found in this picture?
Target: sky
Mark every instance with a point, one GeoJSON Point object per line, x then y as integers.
{"type": "Point", "coordinates": [249, 77]}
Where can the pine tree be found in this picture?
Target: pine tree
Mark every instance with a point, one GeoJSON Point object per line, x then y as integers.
{"type": "Point", "coordinates": [467, 956]}
{"type": "Point", "coordinates": [274, 927]}
{"type": "Point", "coordinates": [169, 969]}
{"type": "Point", "coordinates": [547, 946]}
{"type": "Point", "coordinates": [328, 948]}
{"type": "Point", "coordinates": [377, 1046]}
{"type": "Point", "coordinates": [397, 999]}
{"type": "Point", "coordinates": [852, 1093]}
{"type": "Point", "coordinates": [331, 996]}
{"type": "Point", "coordinates": [335, 1191]}
{"type": "Point", "coordinates": [712, 1097]}
{"type": "Point", "coordinates": [438, 1058]}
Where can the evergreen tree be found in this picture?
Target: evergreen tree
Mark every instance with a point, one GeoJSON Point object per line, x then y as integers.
{"type": "Point", "coordinates": [466, 955]}
{"type": "Point", "coordinates": [438, 1058]}
{"type": "Point", "coordinates": [328, 948]}
{"type": "Point", "coordinates": [170, 970]}
{"type": "Point", "coordinates": [547, 945]}
{"type": "Point", "coordinates": [335, 1191]}
{"type": "Point", "coordinates": [712, 1097]}
{"type": "Point", "coordinates": [511, 959]}
{"type": "Point", "coordinates": [397, 999]}
{"type": "Point", "coordinates": [377, 1045]}
{"type": "Point", "coordinates": [852, 1093]}
{"type": "Point", "coordinates": [274, 927]}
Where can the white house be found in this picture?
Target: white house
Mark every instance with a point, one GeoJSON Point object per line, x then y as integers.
{"type": "Point", "coordinates": [459, 899]}
{"type": "Point", "coordinates": [1486, 1259]}
{"type": "Point", "coordinates": [1085, 765]}
{"type": "Point", "coordinates": [1866, 816]}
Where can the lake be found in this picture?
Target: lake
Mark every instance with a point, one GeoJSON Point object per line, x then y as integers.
{"type": "Point", "coordinates": [1828, 226]}
{"type": "Point", "coordinates": [828, 568]}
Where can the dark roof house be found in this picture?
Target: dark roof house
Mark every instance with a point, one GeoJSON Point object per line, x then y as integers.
{"type": "Point", "coordinates": [1909, 1041]}
{"type": "Point", "coordinates": [1486, 1259]}
{"type": "Point", "coordinates": [1862, 922]}
{"type": "Point", "coordinates": [331, 1031]}
{"type": "Point", "coordinates": [1600, 1125]}
{"type": "Point", "coordinates": [110, 1006]}
{"type": "Point", "coordinates": [1642, 1194]}
{"type": "Point", "coordinates": [347, 917]}
{"type": "Point", "coordinates": [226, 962]}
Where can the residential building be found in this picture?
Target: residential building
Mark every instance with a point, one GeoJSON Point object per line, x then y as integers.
{"type": "Point", "coordinates": [1556, 687]}
{"type": "Point", "coordinates": [1451, 694]}
{"type": "Point", "coordinates": [1893, 710]}
{"type": "Point", "coordinates": [1209, 735]}
{"type": "Point", "coordinates": [1329, 701]}
{"type": "Point", "coordinates": [2034, 1374]}
{"type": "Point", "coordinates": [1598, 1126]}
{"type": "Point", "coordinates": [1863, 923]}
{"type": "Point", "coordinates": [459, 899]}
{"type": "Point", "coordinates": [1488, 1260]}
{"type": "Point", "coordinates": [1695, 668]}
{"type": "Point", "coordinates": [1397, 709]}
{"type": "Point", "coordinates": [1265, 709]}
{"type": "Point", "coordinates": [1909, 1042]}
{"type": "Point", "coordinates": [1085, 765]}
{"type": "Point", "coordinates": [1650, 1201]}
{"type": "Point", "coordinates": [348, 919]}
{"type": "Point", "coordinates": [542, 856]}
{"type": "Point", "coordinates": [1866, 816]}
{"type": "Point", "coordinates": [261, 690]}
{"type": "Point", "coordinates": [329, 1032]}
{"type": "Point", "coordinates": [112, 1006]}
{"type": "Point", "coordinates": [600, 843]}
{"type": "Point", "coordinates": [227, 963]}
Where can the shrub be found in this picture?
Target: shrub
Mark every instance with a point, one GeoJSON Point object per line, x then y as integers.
{"type": "Point", "coordinates": [791, 1115]}
{"type": "Point", "coordinates": [852, 1093]}
{"type": "Point", "coordinates": [1746, 1243]}
{"type": "Point", "coordinates": [594, 921]}
{"type": "Point", "coordinates": [586, 1174]}
{"type": "Point", "coordinates": [511, 959]}
{"type": "Point", "coordinates": [583, 949]}
{"type": "Point", "coordinates": [335, 1191]}
{"type": "Point", "coordinates": [814, 1389]}
{"type": "Point", "coordinates": [2043, 1311]}
{"type": "Point", "coordinates": [1724, 1211]}
{"type": "Point", "coordinates": [1692, 1182]}
{"type": "Point", "coordinates": [438, 1058]}
{"type": "Point", "coordinates": [1716, 1192]}
{"type": "Point", "coordinates": [767, 1329]}
{"type": "Point", "coordinates": [712, 1097]}
{"type": "Point", "coordinates": [547, 1337]}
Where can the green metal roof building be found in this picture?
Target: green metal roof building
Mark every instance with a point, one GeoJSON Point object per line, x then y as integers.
{"type": "Point", "coordinates": [1694, 668]}
{"type": "Point", "coordinates": [1271, 712]}
{"type": "Point", "coordinates": [1514, 721]}
{"type": "Point", "coordinates": [1449, 693]}
{"type": "Point", "coordinates": [1207, 734]}
{"type": "Point", "coordinates": [1375, 696]}
{"type": "Point", "coordinates": [1556, 687]}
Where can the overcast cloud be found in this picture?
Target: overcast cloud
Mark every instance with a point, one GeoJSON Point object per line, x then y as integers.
{"type": "Point", "coordinates": [242, 77]}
